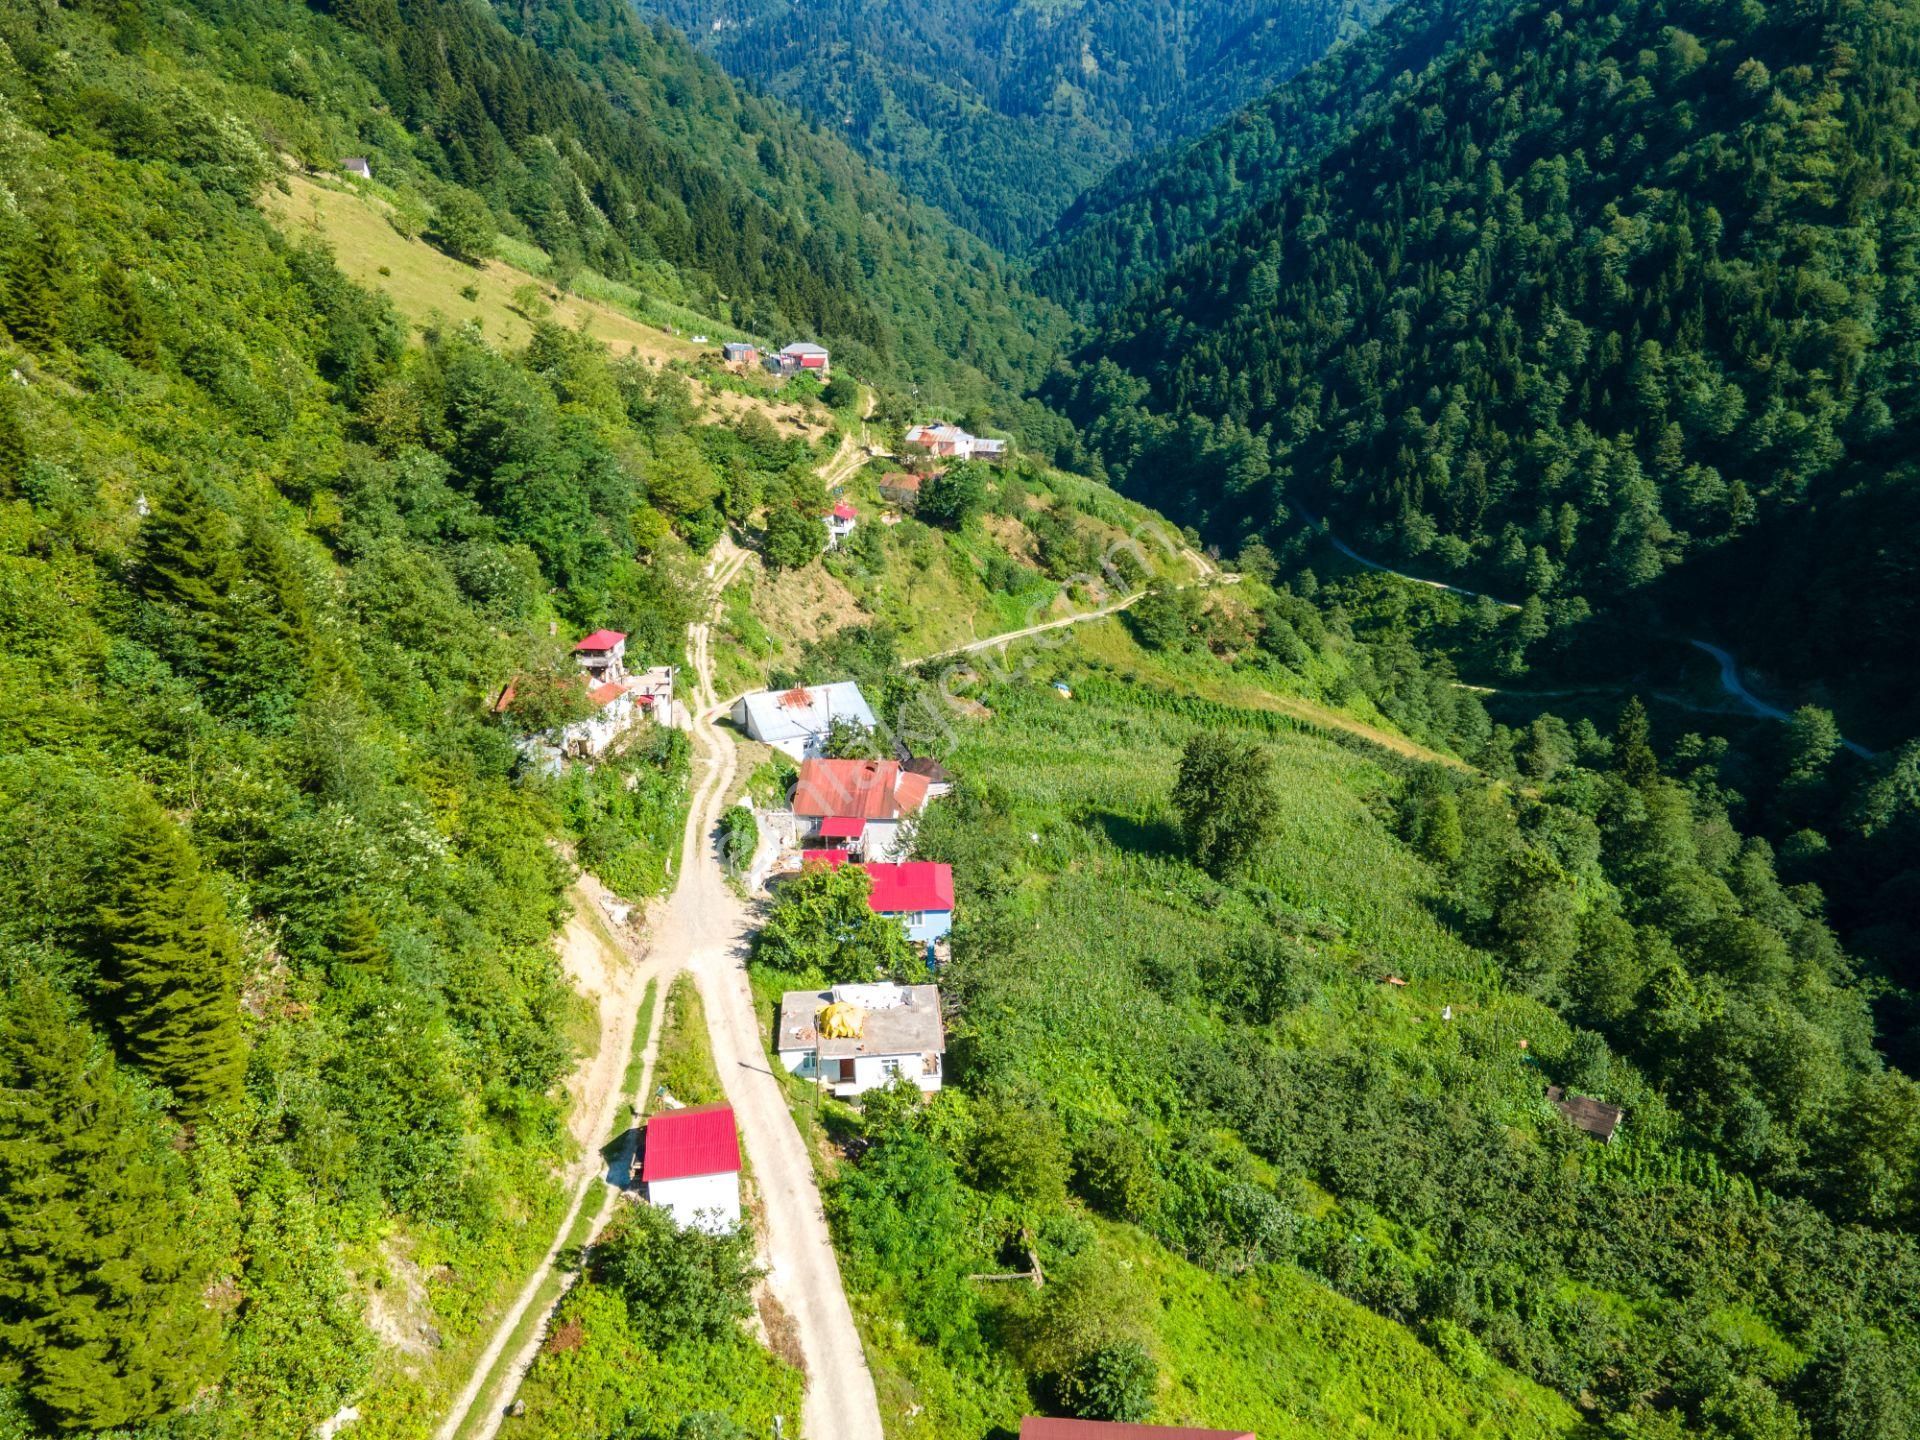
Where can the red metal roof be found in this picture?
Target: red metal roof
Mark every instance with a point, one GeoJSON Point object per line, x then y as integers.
{"type": "Point", "coordinates": [911, 885]}
{"type": "Point", "coordinates": [599, 640]}
{"type": "Point", "coordinates": [700, 1141]}
{"type": "Point", "coordinates": [864, 788]}
{"type": "Point", "coordinates": [832, 858]}
{"type": "Point", "coordinates": [1040, 1427]}
{"type": "Point", "coordinates": [842, 827]}
{"type": "Point", "coordinates": [844, 511]}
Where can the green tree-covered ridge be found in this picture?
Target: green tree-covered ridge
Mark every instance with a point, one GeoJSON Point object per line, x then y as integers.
{"type": "Point", "coordinates": [1001, 112]}
{"type": "Point", "coordinates": [1617, 305]}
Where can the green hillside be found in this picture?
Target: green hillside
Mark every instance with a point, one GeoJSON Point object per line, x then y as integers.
{"type": "Point", "coordinates": [1001, 113]}
{"type": "Point", "coordinates": [1614, 308]}
{"type": "Point", "coordinates": [616, 150]}
{"type": "Point", "coordinates": [1256, 1099]}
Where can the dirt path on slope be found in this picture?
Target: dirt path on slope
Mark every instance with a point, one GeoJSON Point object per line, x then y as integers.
{"type": "Point", "coordinates": [615, 975]}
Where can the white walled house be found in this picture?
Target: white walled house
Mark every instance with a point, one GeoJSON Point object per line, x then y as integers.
{"type": "Point", "coordinates": [691, 1167]}
{"type": "Point", "coordinates": [856, 1038]}
{"type": "Point", "coordinates": [840, 522]}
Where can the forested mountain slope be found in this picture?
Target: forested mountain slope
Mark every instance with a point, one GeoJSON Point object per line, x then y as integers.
{"type": "Point", "coordinates": [618, 149]}
{"type": "Point", "coordinates": [1136, 221]}
{"type": "Point", "coordinates": [1002, 112]}
{"type": "Point", "coordinates": [1621, 293]}
{"type": "Point", "coordinates": [282, 1027]}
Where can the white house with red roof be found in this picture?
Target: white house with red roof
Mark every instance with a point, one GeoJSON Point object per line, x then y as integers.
{"type": "Point", "coordinates": [856, 1038]}
{"type": "Point", "coordinates": [603, 655]}
{"type": "Point", "coordinates": [862, 803]}
{"type": "Point", "coordinates": [946, 441]}
{"type": "Point", "coordinates": [801, 357]}
{"type": "Point", "coordinates": [690, 1167]}
{"type": "Point", "coordinates": [616, 698]}
{"type": "Point", "coordinates": [840, 522]}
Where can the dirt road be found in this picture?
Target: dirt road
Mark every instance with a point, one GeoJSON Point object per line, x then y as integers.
{"type": "Point", "coordinates": [706, 927]}
{"type": "Point", "coordinates": [599, 967]}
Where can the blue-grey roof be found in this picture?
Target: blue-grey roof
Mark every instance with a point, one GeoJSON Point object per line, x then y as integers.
{"type": "Point", "coordinates": [770, 717]}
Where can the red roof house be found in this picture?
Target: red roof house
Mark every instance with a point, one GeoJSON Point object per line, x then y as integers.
{"type": "Point", "coordinates": [844, 511]}
{"type": "Point", "coordinates": [1040, 1427]}
{"type": "Point", "coordinates": [600, 641]}
{"type": "Point", "coordinates": [910, 886]}
{"type": "Point", "coordinates": [868, 789]}
{"type": "Point", "coordinates": [842, 827]}
{"type": "Point", "coordinates": [685, 1143]}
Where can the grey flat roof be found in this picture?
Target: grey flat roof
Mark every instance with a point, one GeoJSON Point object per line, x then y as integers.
{"type": "Point", "coordinates": [915, 1028]}
{"type": "Point", "coordinates": [775, 721]}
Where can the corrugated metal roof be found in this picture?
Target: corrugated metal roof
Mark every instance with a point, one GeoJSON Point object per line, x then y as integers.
{"type": "Point", "coordinates": [682, 1143]}
{"type": "Point", "coordinates": [910, 885]}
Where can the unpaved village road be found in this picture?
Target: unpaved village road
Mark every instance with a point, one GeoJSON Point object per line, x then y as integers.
{"type": "Point", "coordinates": [708, 927]}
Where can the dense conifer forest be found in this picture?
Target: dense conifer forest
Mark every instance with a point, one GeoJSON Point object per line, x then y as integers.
{"type": "Point", "coordinates": [1614, 309]}
{"type": "Point", "coordinates": [1002, 112]}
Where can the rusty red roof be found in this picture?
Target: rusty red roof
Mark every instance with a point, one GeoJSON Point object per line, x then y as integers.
{"type": "Point", "coordinates": [683, 1143]}
{"type": "Point", "coordinates": [868, 789]}
{"type": "Point", "coordinates": [605, 695]}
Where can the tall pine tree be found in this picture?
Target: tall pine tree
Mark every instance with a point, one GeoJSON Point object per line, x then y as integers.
{"type": "Point", "coordinates": [173, 965]}
{"type": "Point", "coordinates": [13, 443]}
{"type": "Point", "coordinates": [34, 297]}
{"type": "Point", "coordinates": [102, 1271]}
{"type": "Point", "coordinates": [190, 568]}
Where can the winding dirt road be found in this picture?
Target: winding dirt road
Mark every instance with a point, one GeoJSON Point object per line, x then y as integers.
{"type": "Point", "coordinates": [1730, 678]}
{"type": "Point", "coordinates": [616, 978]}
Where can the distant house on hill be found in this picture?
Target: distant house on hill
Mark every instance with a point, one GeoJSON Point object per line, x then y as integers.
{"type": "Point", "coordinates": [357, 165]}
{"type": "Point", "coordinates": [738, 352]}
{"type": "Point", "coordinates": [840, 523]}
{"type": "Point", "coordinates": [796, 721]}
{"type": "Point", "coordinates": [949, 442]}
{"type": "Point", "coordinates": [812, 359]}
{"type": "Point", "coordinates": [1596, 1117]}
{"type": "Point", "coordinates": [691, 1167]}
{"type": "Point", "coordinates": [860, 803]}
{"type": "Point", "coordinates": [856, 1038]}
{"type": "Point", "coordinates": [1041, 1427]}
